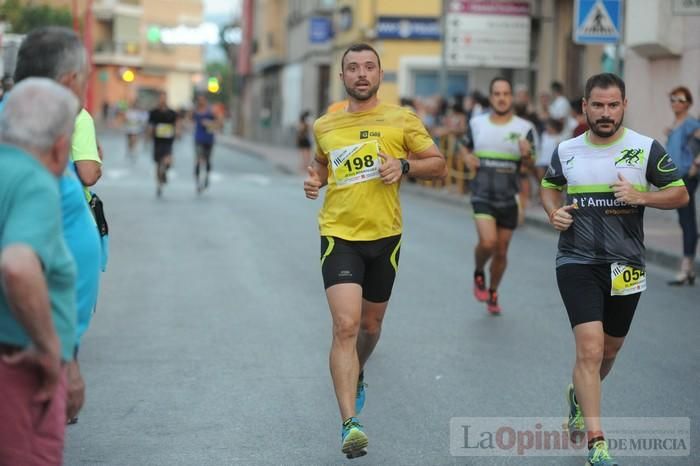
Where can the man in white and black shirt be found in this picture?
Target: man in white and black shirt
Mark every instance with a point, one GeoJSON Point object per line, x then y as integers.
{"type": "Point", "coordinates": [610, 174]}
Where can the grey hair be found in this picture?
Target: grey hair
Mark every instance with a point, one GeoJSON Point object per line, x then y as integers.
{"type": "Point", "coordinates": [50, 52]}
{"type": "Point", "coordinates": [37, 112]}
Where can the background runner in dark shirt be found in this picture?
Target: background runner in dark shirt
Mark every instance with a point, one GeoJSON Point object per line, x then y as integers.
{"type": "Point", "coordinates": [163, 124]}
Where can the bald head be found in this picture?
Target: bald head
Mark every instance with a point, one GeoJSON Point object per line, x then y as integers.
{"type": "Point", "coordinates": [38, 117]}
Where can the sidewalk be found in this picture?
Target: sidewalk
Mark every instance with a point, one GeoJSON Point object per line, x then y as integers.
{"type": "Point", "coordinates": [662, 232]}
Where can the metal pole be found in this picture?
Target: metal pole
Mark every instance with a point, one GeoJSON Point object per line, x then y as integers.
{"type": "Point", "coordinates": [618, 44]}
{"type": "Point", "coordinates": [554, 72]}
{"type": "Point", "coordinates": [76, 21]}
{"type": "Point", "coordinates": [87, 41]}
{"type": "Point", "coordinates": [443, 55]}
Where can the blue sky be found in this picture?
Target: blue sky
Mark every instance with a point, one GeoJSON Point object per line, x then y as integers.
{"type": "Point", "coordinates": [220, 12]}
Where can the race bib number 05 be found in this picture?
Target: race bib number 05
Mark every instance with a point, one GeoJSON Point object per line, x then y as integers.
{"type": "Point", "coordinates": [355, 164]}
{"type": "Point", "coordinates": [627, 280]}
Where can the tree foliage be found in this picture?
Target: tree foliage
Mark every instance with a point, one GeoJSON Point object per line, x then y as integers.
{"type": "Point", "coordinates": [231, 50]}
{"type": "Point", "coordinates": [222, 71]}
{"type": "Point", "coordinates": [23, 18]}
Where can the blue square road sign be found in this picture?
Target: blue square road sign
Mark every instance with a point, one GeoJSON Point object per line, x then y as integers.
{"type": "Point", "coordinates": [597, 21]}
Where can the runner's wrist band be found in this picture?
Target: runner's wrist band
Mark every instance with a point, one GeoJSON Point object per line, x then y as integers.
{"type": "Point", "coordinates": [405, 166]}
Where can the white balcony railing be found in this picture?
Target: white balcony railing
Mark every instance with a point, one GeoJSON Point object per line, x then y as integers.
{"type": "Point", "coordinates": [117, 53]}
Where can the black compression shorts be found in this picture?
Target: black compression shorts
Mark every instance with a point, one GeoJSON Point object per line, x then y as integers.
{"type": "Point", "coordinates": [203, 150]}
{"type": "Point", "coordinates": [506, 217]}
{"type": "Point", "coordinates": [585, 290]}
{"type": "Point", "coordinates": [370, 264]}
{"type": "Point", "coordinates": [162, 149]}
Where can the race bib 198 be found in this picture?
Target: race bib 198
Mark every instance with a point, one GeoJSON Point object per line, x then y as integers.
{"type": "Point", "coordinates": [627, 279]}
{"type": "Point", "coordinates": [355, 164]}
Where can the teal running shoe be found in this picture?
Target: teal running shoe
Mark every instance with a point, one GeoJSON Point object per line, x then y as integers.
{"type": "Point", "coordinates": [354, 439]}
{"type": "Point", "coordinates": [360, 395]}
{"type": "Point", "coordinates": [599, 456]}
{"type": "Point", "coordinates": [576, 425]}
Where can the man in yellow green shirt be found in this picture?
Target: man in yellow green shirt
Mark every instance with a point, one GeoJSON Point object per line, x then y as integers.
{"type": "Point", "coordinates": [84, 151]}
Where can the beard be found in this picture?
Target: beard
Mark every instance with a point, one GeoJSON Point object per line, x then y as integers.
{"type": "Point", "coordinates": [602, 133]}
{"type": "Point", "coordinates": [502, 112]}
{"type": "Point", "coordinates": [362, 96]}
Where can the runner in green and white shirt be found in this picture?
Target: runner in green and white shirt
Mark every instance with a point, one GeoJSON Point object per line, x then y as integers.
{"type": "Point", "coordinates": [610, 175]}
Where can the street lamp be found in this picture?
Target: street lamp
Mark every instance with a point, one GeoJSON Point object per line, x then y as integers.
{"type": "Point", "coordinates": [128, 76]}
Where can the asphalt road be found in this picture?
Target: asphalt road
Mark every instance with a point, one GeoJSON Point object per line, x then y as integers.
{"type": "Point", "coordinates": [210, 342]}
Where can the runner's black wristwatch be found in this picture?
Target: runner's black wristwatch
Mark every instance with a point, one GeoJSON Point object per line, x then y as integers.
{"type": "Point", "coordinates": [405, 166]}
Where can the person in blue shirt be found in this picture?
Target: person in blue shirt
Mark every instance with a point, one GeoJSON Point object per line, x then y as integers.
{"type": "Point", "coordinates": [206, 123]}
{"type": "Point", "coordinates": [57, 53]}
{"type": "Point", "coordinates": [83, 239]}
{"type": "Point", "coordinates": [37, 272]}
{"type": "Point", "coordinates": [684, 148]}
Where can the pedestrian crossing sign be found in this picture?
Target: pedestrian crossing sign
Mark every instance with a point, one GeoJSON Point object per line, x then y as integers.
{"type": "Point", "coordinates": [597, 21]}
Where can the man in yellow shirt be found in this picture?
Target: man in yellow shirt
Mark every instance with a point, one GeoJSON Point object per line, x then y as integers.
{"type": "Point", "coordinates": [362, 153]}
{"type": "Point", "coordinates": [84, 151]}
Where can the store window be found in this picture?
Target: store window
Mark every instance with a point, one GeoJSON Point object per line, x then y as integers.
{"type": "Point", "coordinates": [426, 83]}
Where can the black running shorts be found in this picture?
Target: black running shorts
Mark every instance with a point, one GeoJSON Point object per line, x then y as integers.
{"type": "Point", "coordinates": [162, 149]}
{"type": "Point", "coordinates": [203, 151]}
{"type": "Point", "coordinates": [585, 290]}
{"type": "Point", "coordinates": [506, 217]}
{"type": "Point", "coordinates": [370, 264]}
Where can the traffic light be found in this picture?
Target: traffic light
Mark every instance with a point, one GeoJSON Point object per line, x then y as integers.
{"type": "Point", "coordinates": [213, 85]}
{"type": "Point", "coordinates": [128, 75]}
{"type": "Point", "coordinates": [153, 35]}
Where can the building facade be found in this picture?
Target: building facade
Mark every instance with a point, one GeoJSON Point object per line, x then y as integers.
{"type": "Point", "coordinates": [131, 35]}
{"type": "Point", "coordinates": [307, 74]}
{"type": "Point", "coordinates": [296, 47]}
{"type": "Point", "coordinates": [410, 57]}
{"type": "Point", "coordinates": [662, 41]}
{"type": "Point", "coordinates": [295, 58]}
{"type": "Point", "coordinates": [140, 47]}
{"type": "Point", "coordinates": [269, 49]}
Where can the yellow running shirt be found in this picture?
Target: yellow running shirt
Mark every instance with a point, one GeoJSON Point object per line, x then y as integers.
{"type": "Point", "coordinates": [337, 106]}
{"type": "Point", "coordinates": [84, 143]}
{"type": "Point", "coordinates": [358, 206]}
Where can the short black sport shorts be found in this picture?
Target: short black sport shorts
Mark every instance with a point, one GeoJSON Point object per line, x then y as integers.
{"type": "Point", "coordinates": [370, 264]}
{"type": "Point", "coordinates": [585, 290]}
{"type": "Point", "coordinates": [203, 150]}
{"type": "Point", "coordinates": [506, 217]}
{"type": "Point", "coordinates": [162, 149]}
